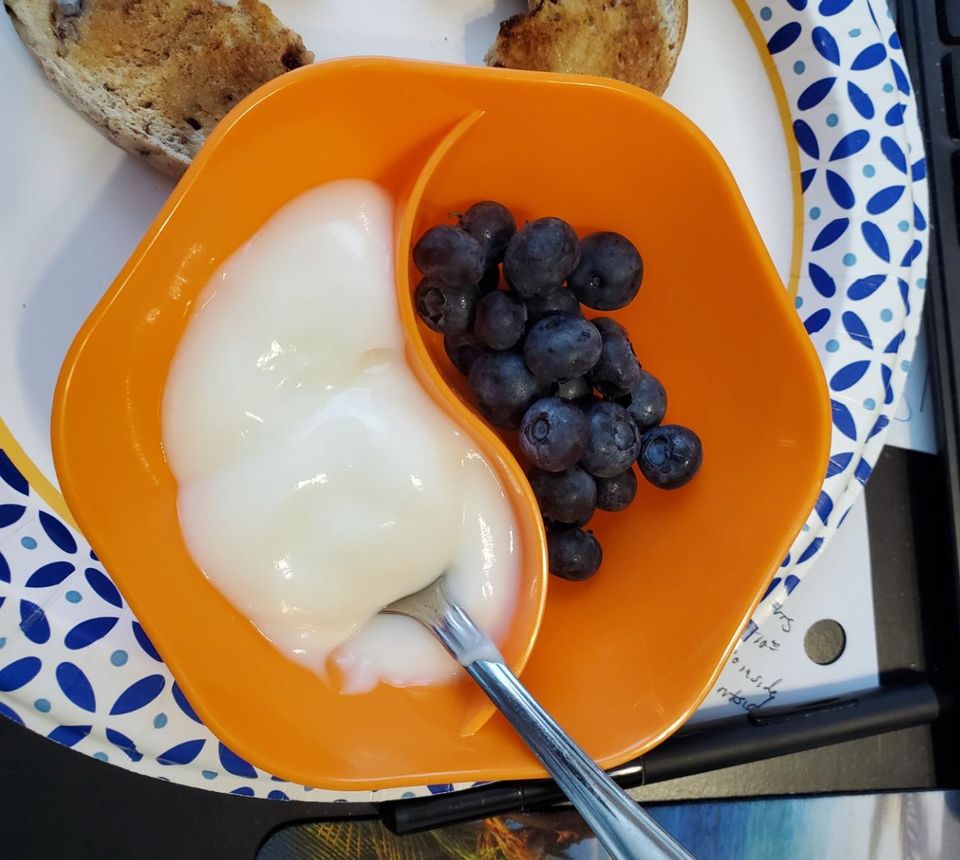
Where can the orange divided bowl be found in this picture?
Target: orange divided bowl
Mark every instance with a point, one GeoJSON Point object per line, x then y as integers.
{"type": "Point", "coordinates": [614, 661]}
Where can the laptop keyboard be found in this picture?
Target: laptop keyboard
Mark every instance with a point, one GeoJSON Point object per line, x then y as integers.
{"type": "Point", "coordinates": [948, 29]}
{"type": "Point", "coordinates": [930, 33]}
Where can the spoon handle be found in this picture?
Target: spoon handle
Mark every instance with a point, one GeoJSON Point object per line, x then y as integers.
{"type": "Point", "coordinates": [624, 828]}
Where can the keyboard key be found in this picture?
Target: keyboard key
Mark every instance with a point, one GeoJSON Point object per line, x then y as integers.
{"type": "Point", "coordinates": [955, 164]}
{"type": "Point", "coordinates": [951, 90]}
{"type": "Point", "coordinates": [949, 19]}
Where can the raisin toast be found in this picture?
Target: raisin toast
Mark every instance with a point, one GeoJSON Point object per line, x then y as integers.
{"type": "Point", "coordinates": [157, 75]}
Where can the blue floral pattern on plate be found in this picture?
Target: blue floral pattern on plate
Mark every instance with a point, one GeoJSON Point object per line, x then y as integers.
{"type": "Point", "coordinates": [865, 198]}
{"type": "Point", "coordinates": [76, 665]}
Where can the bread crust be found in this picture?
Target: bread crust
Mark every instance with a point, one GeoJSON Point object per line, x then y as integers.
{"type": "Point", "coordinates": [156, 75]}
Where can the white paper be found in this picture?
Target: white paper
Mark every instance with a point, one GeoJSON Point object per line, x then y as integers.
{"type": "Point", "coordinates": [912, 426]}
{"type": "Point", "coordinates": [772, 668]}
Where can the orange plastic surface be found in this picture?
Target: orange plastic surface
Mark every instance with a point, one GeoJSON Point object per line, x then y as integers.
{"type": "Point", "coordinates": [622, 660]}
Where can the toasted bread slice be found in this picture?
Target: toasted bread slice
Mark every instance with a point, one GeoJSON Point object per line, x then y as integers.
{"type": "Point", "coordinates": [637, 41]}
{"type": "Point", "coordinates": [157, 75]}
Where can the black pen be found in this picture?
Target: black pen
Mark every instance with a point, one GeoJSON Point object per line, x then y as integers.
{"type": "Point", "coordinates": [906, 699]}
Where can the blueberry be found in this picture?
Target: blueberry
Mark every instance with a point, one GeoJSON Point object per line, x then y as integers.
{"type": "Point", "coordinates": [562, 347]}
{"type": "Point", "coordinates": [450, 254]}
{"type": "Point", "coordinates": [578, 390]}
{"type": "Point", "coordinates": [574, 554]}
{"type": "Point", "coordinates": [501, 319]}
{"type": "Point", "coordinates": [647, 403]}
{"type": "Point", "coordinates": [553, 434]}
{"type": "Point", "coordinates": [489, 280]}
{"type": "Point", "coordinates": [565, 497]}
{"type": "Point", "coordinates": [580, 522]}
{"type": "Point", "coordinates": [504, 388]}
{"type": "Point", "coordinates": [462, 350]}
{"type": "Point", "coordinates": [446, 309]}
{"type": "Point", "coordinates": [609, 272]}
{"type": "Point", "coordinates": [540, 257]}
{"type": "Point", "coordinates": [616, 492]}
{"type": "Point", "coordinates": [670, 456]}
{"type": "Point", "coordinates": [492, 226]}
{"type": "Point", "coordinates": [608, 325]}
{"type": "Point", "coordinates": [556, 301]}
{"type": "Point", "coordinates": [614, 441]}
{"type": "Point", "coordinates": [617, 370]}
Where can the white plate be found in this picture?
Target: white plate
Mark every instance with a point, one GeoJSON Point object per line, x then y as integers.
{"type": "Point", "coordinates": [74, 664]}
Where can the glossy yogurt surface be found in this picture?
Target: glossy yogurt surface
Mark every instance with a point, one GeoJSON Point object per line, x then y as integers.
{"type": "Point", "coordinates": [317, 481]}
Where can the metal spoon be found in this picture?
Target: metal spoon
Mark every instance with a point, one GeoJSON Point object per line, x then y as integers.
{"type": "Point", "coordinates": [626, 831]}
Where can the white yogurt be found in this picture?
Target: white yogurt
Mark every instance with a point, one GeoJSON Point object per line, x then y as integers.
{"type": "Point", "coordinates": [317, 481]}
